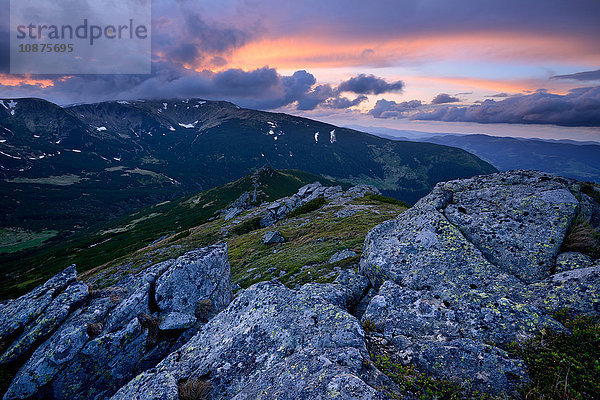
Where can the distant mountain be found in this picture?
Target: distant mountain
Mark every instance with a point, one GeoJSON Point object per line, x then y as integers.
{"type": "Point", "coordinates": [578, 160]}
{"type": "Point", "coordinates": [92, 162]}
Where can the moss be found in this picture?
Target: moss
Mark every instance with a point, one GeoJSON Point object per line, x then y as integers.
{"type": "Point", "coordinates": [591, 190]}
{"type": "Point", "coordinates": [562, 365]}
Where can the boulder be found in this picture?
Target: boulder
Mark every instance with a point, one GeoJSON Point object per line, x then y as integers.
{"type": "Point", "coordinates": [470, 268]}
{"type": "Point", "coordinates": [341, 255]}
{"type": "Point", "coordinates": [271, 342]}
{"type": "Point", "coordinates": [272, 237]}
{"type": "Point", "coordinates": [95, 348]}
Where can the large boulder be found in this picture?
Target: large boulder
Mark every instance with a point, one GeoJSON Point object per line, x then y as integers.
{"type": "Point", "coordinates": [270, 343]}
{"type": "Point", "coordinates": [94, 349]}
{"type": "Point", "coordinates": [470, 268]}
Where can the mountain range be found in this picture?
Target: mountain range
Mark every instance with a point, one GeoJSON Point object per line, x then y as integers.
{"type": "Point", "coordinates": [92, 162]}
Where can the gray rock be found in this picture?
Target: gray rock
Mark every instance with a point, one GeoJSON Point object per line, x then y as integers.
{"type": "Point", "coordinates": [468, 270]}
{"type": "Point", "coordinates": [198, 275]}
{"type": "Point", "coordinates": [271, 342]}
{"type": "Point", "coordinates": [15, 314]}
{"type": "Point", "coordinates": [272, 237]}
{"type": "Point", "coordinates": [177, 321]}
{"type": "Point", "coordinates": [571, 260]}
{"type": "Point", "coordinates": [341, 255]}
{"type": "Point", "coordinates": [103, 344]}
{"type": "Point", "coordinates": [362, 190]}
{"type": "Point", "coordinates": [56, 312]}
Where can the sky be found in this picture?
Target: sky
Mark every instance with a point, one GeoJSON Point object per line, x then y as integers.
{"type": "Point", "coordinates": [504, 67]}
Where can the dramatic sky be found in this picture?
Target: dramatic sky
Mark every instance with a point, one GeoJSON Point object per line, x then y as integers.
{"type": "Point", "coordinates": [508, 67]}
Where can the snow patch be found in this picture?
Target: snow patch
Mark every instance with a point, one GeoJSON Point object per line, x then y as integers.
{"type": "Point", "coordinates": [171, 128]}
{"type": "Point", "coordinates": [36, 136]}
{"type": "Point", "coordinates": [2, 140]}
{"type": "Point", "coordinates": [317, 137]}
{"type": "Point", "coordinates": [123, 102]}
{"type": "Point", "coordinates": [332, 136]}
{"type": "Point", "coordinates": [8, 155]}
{"type": "Point", "coordinates": [188, 126]}
{"type": "Point", "coordinates": [76, 151]}
{"type": "Point", "coordinates": [4, 105]}
{"type": "Point", "coordinates": [117, 158]}
{"type": "Point", "coordinates": [101, 128]}
{"type": "Point", "coordinates": [165, 105]}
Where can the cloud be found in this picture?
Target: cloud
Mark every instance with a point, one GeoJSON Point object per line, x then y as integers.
{"type": "Point", "coordinates": [581, 76]}
{"type": "Point", "coordinates": [369, 84]}
{"type": "Point", "coordinates": [443, 98]}
{"type": "Point", "coordinates": [580, 107]}
{"type": "Point", "coordinates": [262, 88]}
{"type": "Point", "coordinates": [390, 109]}
{"type": "Point", "coordinates": [499, 95]}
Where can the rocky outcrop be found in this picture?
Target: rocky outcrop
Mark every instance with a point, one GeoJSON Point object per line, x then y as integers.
{"type": "Point", "coordinates": [271, 342]}
{"type": "Point", "coordinates": [279, 209]}
{"type": "Point", "coordinates": [89, 350]}
{"type": "Point", "coordinates": [470, 269]}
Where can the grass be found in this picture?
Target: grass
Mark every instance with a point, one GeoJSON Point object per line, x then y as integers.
{"type": "Point", "coordinates": [591, 190]}
{"type": "Point", "coordinates": [386, 199]}
{"type": "Point", "coordinates": [420, 385]}
{"type": "Point", "coordinates": [16, 239]}
{"type": "Point", "coordinates": [563, 366]}
{"type": "Point", "coordinates": [583, 238]}
{"type": "Point", "coordinates": [312, 205]}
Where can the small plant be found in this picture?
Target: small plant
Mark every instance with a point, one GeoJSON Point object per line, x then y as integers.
{"type": "Point", "coordinates": [368, 325]}
{"type": "Point", "coordinates": [562, 365]}
{"type": "Point", "coordinates": [312, 205]}
{"type": "Point", "coordinates": [583, 238]}
{"type": "Point", "coordinates": [194, 389]}
{"type": "Point", "coordinates": [94, 329]}
{"type": "Point", "coordinates": [249, 225]}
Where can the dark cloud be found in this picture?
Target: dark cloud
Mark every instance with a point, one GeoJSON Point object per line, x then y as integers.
{"type": "Point", "coordinates": [443, 98]}
{"type": "Point", "coordinates": [499, 95]}
{"type": "Point", "coordinates": [262, 88]}
{"type": "Point", "coordinates": [580, 107]}
{"type": "Point", "coordinates": [581, 76]}
{"type": "Point", "coordinates": [390, 109]}
{"type": "Point", "coordinates": [369, 84]}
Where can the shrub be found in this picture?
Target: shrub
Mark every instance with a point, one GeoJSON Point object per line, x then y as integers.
{"type": "Point", "coordinates": [312, 205]}
{"type": "Point", "coordinates": [562, 365]}
{"type": "Point", "coordinates": [583, 238]}
{"type": "Point", "coordinates": [203, 308]}
{"type": "Point", "coordinates": [94, 329]}
{"type": "Point", "coordinates": [151, 323]}
{"type": "Point", "coordinates": [248, 225]}
{"type": "Point", "coordinates": [180, 235]}
{"type": "Point", "coordinates": [194, 389]}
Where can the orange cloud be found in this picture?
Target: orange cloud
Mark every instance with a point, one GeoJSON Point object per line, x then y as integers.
{"type": "Point", "coordinates": [19, 80]}
{"type": "Point", "coordinates": [324, 52]}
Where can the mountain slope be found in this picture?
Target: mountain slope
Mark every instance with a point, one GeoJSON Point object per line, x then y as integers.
{"type": "Point", "coordinates": [104, 242]}
{"type": "Point", "coordinates": [92, 162]}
